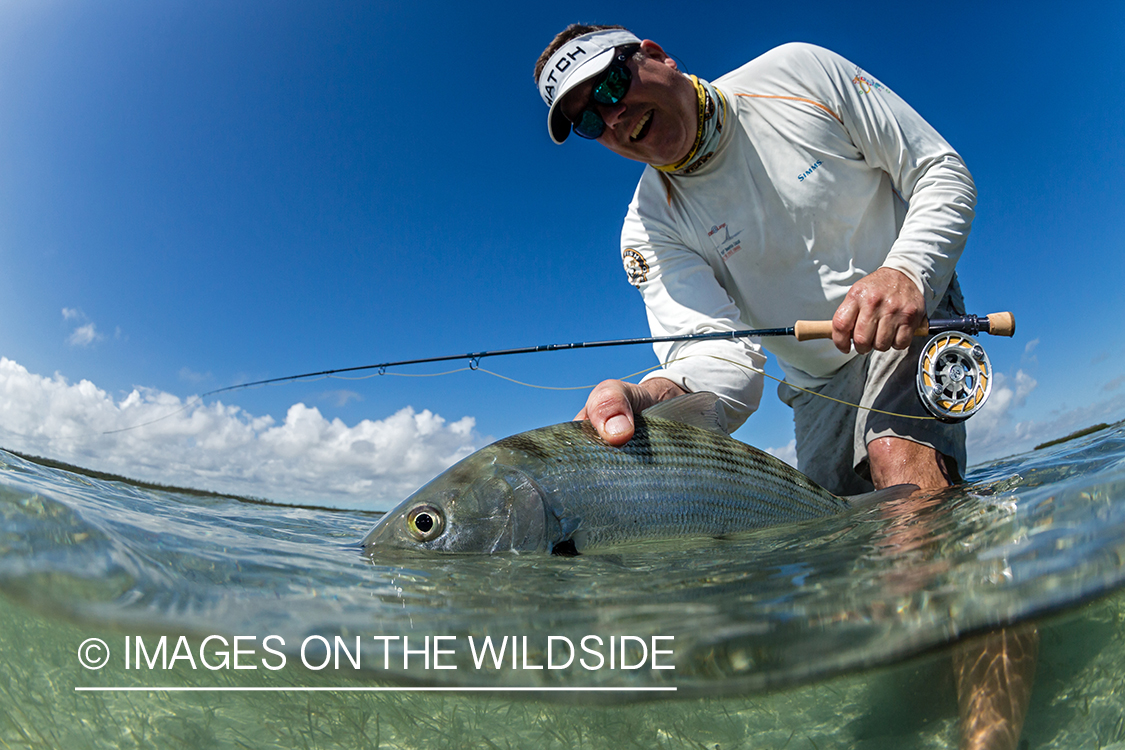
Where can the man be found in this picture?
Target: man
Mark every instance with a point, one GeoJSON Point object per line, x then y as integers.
{"type": "Point", "coordinates": [796, 187]}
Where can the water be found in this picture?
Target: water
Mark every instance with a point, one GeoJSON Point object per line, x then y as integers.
{"type": "Point", "coordinates": [832, 633]}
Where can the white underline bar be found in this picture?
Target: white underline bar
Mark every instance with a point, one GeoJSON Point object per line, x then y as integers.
{"type": "Point", "coordinates": [374, 689]}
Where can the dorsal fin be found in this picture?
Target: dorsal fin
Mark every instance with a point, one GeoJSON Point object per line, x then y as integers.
{"type": "Point", "coordinates": [702, 410]}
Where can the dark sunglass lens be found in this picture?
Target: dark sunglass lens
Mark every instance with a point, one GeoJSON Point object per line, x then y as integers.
{"type": "Point", "coordinates": [613, 87]}
{"type": "Point", "coordinates": [590, 125]}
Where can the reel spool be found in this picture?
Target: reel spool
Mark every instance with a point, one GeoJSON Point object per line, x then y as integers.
{"type": "Point", "coordinates": [954, 376]}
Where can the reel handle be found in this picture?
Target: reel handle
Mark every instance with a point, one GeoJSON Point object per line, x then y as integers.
{"type": "Point", "coordinates": [998, 324]}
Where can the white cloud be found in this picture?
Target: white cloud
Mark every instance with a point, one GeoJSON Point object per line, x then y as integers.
{"type": "Point", "coordinates": [192, 376]}
{"type": "Point", "coordinates": [340, 398]}
{"type": "Point", "coordinates": [787, 453]}
{"type": "Point", "coordinates": [305, 458]}
{"type": "Point", "coordinates": [84, 335]}
{"type": "Point", "coordinates": [1114, 384]}
{"type": "Point", "coordinates": [993, 431]}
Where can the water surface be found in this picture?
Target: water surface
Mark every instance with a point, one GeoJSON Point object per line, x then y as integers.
{"type": "Point", "coordinates": [831, 633]}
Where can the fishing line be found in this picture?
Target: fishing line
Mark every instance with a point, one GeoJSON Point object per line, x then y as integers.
{"type": "Point", "coordinates": [543, 387]}
{"type": "Point", "coordinates": [199, 399]}
{"type": "Point", "coordinates": [191, 402]}
{"type": "Point", "coordinates": [803, 390]}
{"type": "Point", "coordinates": [954, 378]}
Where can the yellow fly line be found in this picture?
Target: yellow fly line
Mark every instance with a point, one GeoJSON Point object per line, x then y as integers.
{"type": "Point", "coordinates": [474, 367]}
{"type": "Point", "coordinates": [628, 377]}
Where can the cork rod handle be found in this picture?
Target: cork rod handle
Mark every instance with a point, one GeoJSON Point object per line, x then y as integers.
{"type": "Point", "coordinates": [999, 324]}
{"type": "Point", "coordinates": [1002, 324]}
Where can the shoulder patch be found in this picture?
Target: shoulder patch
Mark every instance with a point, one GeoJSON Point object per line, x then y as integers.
{"type": "Point", "coordinates": [636, 268]}
{"type": "Point", "coordinates": [866, 83]}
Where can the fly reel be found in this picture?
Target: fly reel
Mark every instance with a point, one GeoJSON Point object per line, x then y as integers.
{"type": "Point", "coordinates": [954, 376]}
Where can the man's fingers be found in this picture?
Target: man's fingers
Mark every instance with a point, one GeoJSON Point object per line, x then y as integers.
{"type": "Point", "coordinates": [903, 334]}
{"type": "Point", "coordinates": [610, 412]}
{"type": "Point", "coordinates": [617, 427]}
{"type": "Point", "coordinates": [895, 331]}
{"type": "Point", "coordinates": [843, 324]}
{"type": "Point", "coordinates": [611, 405]}
{"type": "Point", "coordinates": [866, 331]}
{"type": "Point", "coordinates": [880, 333]}
{"type": "Point", "coordinates": [880, 312]}
{"type": "Point", "coordinates": [887, 333]}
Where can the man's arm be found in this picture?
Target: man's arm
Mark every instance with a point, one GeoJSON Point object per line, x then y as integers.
{"type": "Point", "coordinates": [612, 404]}
{"type": "Point", "coordinates": [882, 309]}
{"type": "Point", "coordinates": [682, 295]}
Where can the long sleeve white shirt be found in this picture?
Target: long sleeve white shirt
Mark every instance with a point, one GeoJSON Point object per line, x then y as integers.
{"type": "Point", "coordinates": [822, 176]}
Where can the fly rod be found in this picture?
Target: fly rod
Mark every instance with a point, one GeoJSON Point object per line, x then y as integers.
{"type": "Point", "coordinates": [997, 324]}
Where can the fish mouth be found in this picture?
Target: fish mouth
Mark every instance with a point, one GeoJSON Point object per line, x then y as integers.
{"type": "Point", "coordinates": [642, 127]}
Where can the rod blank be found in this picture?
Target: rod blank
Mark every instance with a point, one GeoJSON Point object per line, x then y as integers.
{"type": "Point", "coordinates": [998, 324]}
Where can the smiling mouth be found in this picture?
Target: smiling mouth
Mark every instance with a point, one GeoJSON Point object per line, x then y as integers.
{"type": "Point", "coordinates": [642, 128]}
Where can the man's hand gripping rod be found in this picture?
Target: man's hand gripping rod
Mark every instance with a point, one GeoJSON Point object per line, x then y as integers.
{"type": "Point", "coordinates": [997, 324]}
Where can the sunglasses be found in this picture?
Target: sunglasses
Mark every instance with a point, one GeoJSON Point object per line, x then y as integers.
{"type": "Point", "coordinates": [609, 88]}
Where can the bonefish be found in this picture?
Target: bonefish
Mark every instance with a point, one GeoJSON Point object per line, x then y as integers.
{"type": "Point", "coordinates": [563, 489]}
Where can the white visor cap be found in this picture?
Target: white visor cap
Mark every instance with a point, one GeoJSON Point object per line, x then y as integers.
{"type": "Point", "coordinates": [575, 62]}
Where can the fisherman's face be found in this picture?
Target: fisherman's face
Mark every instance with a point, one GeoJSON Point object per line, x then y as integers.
{"type": "Point", "coordinates": [656, 121]}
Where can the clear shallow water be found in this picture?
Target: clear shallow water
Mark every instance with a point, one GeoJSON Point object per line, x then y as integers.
{"type": "Point", "coordinates": [832, 633]}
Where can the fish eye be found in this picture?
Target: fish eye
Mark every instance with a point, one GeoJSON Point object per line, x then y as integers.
{"type": "Point", "coordinates": [425, 523]}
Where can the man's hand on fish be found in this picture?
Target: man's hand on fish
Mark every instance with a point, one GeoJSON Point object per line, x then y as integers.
{"type": "Point", "coordinates": [612, 404]}
{"type": "Point", "coordinates": [882, 310]}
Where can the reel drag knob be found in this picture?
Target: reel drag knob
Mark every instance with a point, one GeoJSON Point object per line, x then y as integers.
{"type": "Point", "coordinates": [954, 376]}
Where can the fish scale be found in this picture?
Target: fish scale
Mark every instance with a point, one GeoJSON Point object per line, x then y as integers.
{"type": "Point", "coordinates": [681, 481]}
{"type": "Point", "coordinates": [680, 475]}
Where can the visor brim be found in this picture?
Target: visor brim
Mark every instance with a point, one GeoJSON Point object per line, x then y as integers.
{"type": "Point", "coordinates": [558, 127]}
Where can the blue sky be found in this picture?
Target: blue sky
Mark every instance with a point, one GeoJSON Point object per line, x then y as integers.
{"type": "Point", "coordinates": [197, 194]}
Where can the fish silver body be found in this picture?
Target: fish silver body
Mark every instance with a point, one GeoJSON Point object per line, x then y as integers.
{"type": "Point", "coordinates": [562, 488]}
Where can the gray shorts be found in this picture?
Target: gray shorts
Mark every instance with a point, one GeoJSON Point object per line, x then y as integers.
{"type": "Point", "coordinates": [832, 438]}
